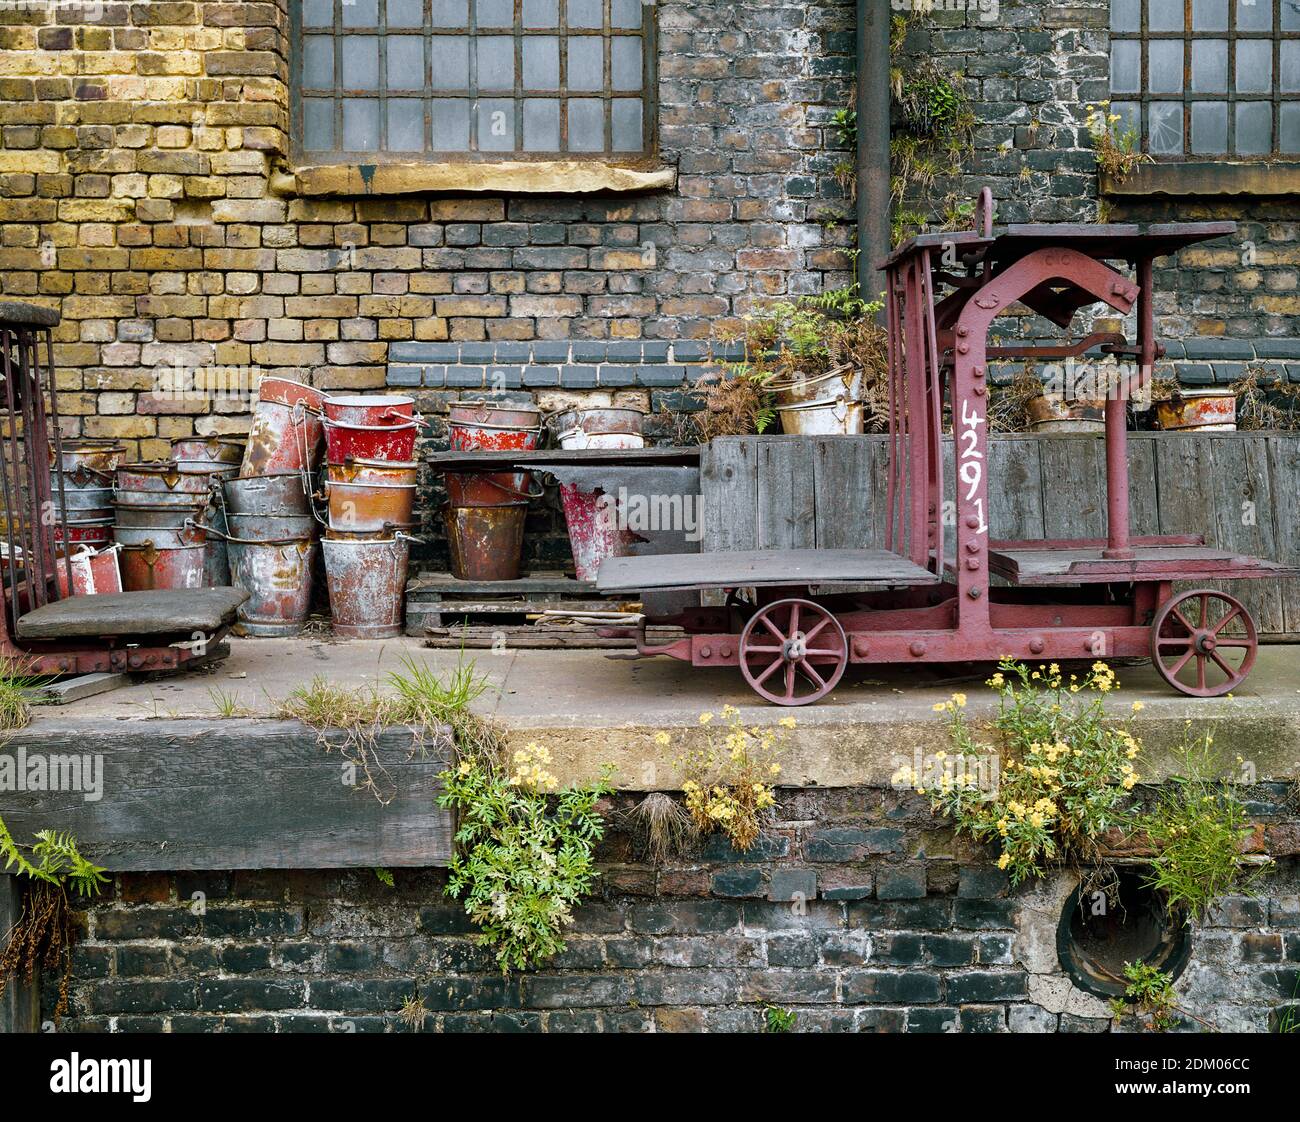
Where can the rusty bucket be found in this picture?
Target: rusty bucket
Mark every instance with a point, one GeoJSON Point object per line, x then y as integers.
{"type": "Point", "coordinates": [163, 478]}
{"type": "Point", "coordinates": [101, 456]}
{"type": "Point", "coordinates": [489, 488]}
{"type": "Point", "coordinates": [367, 582]}
{"type": "Point", "coordinates": [368, 507]}
{"type": "Point", "coordinates": [492, 427]}
{"type": "Point", "coordinates": [372, 471]}
{"type": "Point", "coordinates": [282, 493]}
{"type": "Point", "coordinates": [1208, 410]}
{"type": "Point", "coordinates": [276, 573]}
{"type": "Point", "coordinates": [594, 532]}
{"type": "Point", "coordinates": [286, 431]}
{"type": "Point", "coordinates": [219, 451]}
{"type": "Point", "coordinates": [87, 531]}
{"type": "Point", "coordinates": [157, 559]}
{"type": "Point", "coordinates": [392, 443]}
{"type": "Point", "coordinates": [486, 542]}
{"type": "Point", "coordinates": [94, 572]}
{"type": "Point", "coordinates": [601, 427]}
{"type": "Point", "coordinates": [370, 409]}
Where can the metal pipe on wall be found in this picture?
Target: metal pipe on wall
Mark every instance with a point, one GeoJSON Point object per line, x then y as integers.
{"type": "Point", "coordinates": [873, 104]}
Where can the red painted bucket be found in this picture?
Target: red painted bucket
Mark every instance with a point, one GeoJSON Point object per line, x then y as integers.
{"type": "Point", "coordinates": [488, 488]}
{"type": "Point", "coordinates": [92, 531]}
{"type": "Point", "coordinates": [372, 471]}
{"type": "Point", "coordinates": [394, 443]}
{"type": "Point", "coordinates": [486, 542]}
{"type": "Point", "coordinates": [286, 431]}
{"type": "Point", "coordinates": [374, 409]}
{"type": "Point", "coordinates": [94, 572]}
{"type": "Point", "coordinates": [148, 566]}
{"type": "Point", "coordinates": [482, 425]}
{"type": "Point", "coordinates": [367, 583]}
{"type": "Point", "coordinates": [594, 533]}
{"type": "Point", "coordinates": [164, 478]}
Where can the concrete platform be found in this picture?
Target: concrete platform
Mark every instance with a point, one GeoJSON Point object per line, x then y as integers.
{"type": "Point", "coordinates": [589, 709]}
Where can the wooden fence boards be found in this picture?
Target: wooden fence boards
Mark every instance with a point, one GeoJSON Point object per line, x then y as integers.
{"type": "Point", "coordinates": [790, 492]}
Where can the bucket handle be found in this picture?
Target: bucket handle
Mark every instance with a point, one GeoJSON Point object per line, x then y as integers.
{"type": "Point", "coordinates": [244, 541]}
{"type": "Point", "coordinates": [528, 495]}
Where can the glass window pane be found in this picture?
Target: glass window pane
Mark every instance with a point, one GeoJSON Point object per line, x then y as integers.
{"type": "Point", "coordinates": [449, 59]}
{"type": "Point", "coordinates": [318, 62]}
{"type": "Point", "coordinates": [586, 125]}
{"type": "Point", "coordinates": [1256, 15]}
{"type": "Point", "coordinates": [496, 62]}
{"type": "Point", "coordinates": [1254, 65]}
{"type": "Point", "coordinates": [361, 62]}
{"type": "Point", "coordinates": [1210, 65]}
{"type": "Point", "coordinates": [1209, 15]}
{"type": "Point", "coordinates": [1254, 128]}
{"type": "Point", "coordinates": [361, 124]}
{"type": "Point", "coordinates": [625, 62]}
{"type": "Point", "coordinates": [541, 13]}
{"type": "Point", "coordinates": [450, 124]}
{"type": "Point", "coordinates": [360, 13]}
{"type": "Point", "coordinates": [1210, 127]}
{"type": "Point", "coordinates": [1289, 78]}
{"type": "Point", "coordinates": [450, 13]}
{"type": "Point", "coordinates": [585, 13]}
{"type": "Point", "coordinates": [405, 125]}
{"type": "Point", "coordinates": [495, 13]}
{"type": "Point", "coordinates": [1288, 134]}
{"type": "Point", "coordinates": [1130, 117]}
{"type": "Point", "coordinates": [404, 13]}
{"type": "Point", "coordinates": [542, 124]}
{"type": "Point", "coordinates": [1290, 17]}
{"type": "Point", "coordinates": [626, 120]}
{"type": "Point", "coordinates": [405, 62]}
{"type": "Point", "coordinates": [318, 13]}
{"type": "Point", "coordinates": [586, 63]}
{"type": "Point", "coordinates": [1125, 66]}
{"type": "Point", "coordinates": [1126, 15]}
{"type": "Point", "coordinates": [541, 62]}
{"type": "Point", "coordinates": [1165, 128]}
{"type": "Point", "coordinates": [1165, 66]}
{"type": "Point", "coordinates": [318, 124]}
{"type": "Point", "coordinates": [1165, 15]}
{"type": "Point", "coordinates": [496, 125]}
{"type": "Point", "coordinates": [627, 13]}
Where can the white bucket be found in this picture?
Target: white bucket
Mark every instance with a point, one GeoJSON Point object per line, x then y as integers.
{"type": "Point", "coordinates": [828, 417]}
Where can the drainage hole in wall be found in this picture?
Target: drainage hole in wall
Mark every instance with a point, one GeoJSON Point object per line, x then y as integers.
{"type": "Point", "coordinates": [1097, 935]}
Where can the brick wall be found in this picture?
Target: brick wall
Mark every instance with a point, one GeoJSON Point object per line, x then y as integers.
{"type": "Point", "coordinates": [905, 928]}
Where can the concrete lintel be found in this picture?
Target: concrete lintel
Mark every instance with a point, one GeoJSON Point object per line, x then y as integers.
{"type": "Point", "coordinates": [544, 177]}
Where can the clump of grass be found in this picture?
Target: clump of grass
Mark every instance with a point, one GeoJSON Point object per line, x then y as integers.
{"type": "Point", "coordinates": [16, 685]}
{"type": "Point", "coordinates": [413, 1012]}
{"type": "Point", "coordinates": [664, 823]}
{"type": "Point", "coordinates": [227, 705]}
{"type": "Point", "coordinates": [416, 698]}
{"type": "Point", "coordinates": [776, 1019]}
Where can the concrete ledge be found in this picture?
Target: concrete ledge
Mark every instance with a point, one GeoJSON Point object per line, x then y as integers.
{"type": "Point", "coordinates": [1206, 178]}
{"type": "Point", "coordinates": [541, 177]}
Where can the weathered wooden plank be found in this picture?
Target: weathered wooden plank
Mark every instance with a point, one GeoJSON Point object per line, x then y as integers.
{"type": "Point", "coordinates": [843, 500]}
{"type": "Point", "coordinates": [1284, 469]}
{"type": "Point", "coordinates": [20, 1003]}
{"type": "Point", "coordinates": [1240, 498]}
{"type": "Point", "coordinates": [743, 568]}
{"type": "Point", "coordinates": [1015, 489]}
{"type": "Point", "coordinates": [226, 794]}
{"type": "Point", "coordinates": [729, 494]}
{"type": "Point", "coordinates": [1182, 461]}
{"type": "Point", "coordinates": [1143, 492]}
{"type": "Point", "coordinates": [787, 517]}
{"type": "Point", "coordinates": [1074, 486]}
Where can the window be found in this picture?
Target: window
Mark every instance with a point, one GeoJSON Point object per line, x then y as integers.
{"type": "Point", "coordinates": [1208, 78]}
{"type": "Point", "coordinates": [447, 80]}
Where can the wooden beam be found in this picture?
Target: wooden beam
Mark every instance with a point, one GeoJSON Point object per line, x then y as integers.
{"type": "Point", "coordinates": [226, 794]}
{"type": "Point", "coordinates": [20, 1004]}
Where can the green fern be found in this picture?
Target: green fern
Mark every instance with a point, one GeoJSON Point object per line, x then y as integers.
{"type": "Point", "coordinates": [57, 861]}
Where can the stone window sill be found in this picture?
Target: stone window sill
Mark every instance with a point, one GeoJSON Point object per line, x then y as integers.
{"type": "Point", "coordinates": [546, 177]}
{"type": "Point", "coordinates": [1206, 178]}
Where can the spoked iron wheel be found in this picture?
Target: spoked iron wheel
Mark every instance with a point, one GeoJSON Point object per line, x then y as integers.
{"type": "Point", "coordinates": [793, 652]}
{"type": "Point", "coordinates": [1203, 642]}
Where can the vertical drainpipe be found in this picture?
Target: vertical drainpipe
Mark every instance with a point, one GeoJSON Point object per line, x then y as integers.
{"type": "Point", "coordinates": [873, 143]}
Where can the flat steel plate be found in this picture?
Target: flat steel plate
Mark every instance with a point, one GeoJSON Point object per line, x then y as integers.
{"type": "Point", "coordinates": [761, 567]}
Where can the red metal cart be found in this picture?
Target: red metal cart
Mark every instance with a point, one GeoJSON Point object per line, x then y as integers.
{"type": "Point", "coordinates": [929, 600]}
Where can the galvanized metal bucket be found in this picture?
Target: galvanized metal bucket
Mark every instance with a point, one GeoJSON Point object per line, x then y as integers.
{"type": "Point", "coordinates": [215, 450]}
{"type": "Point", "coordinates": [1052, 413]}
{"type": "Point", "coordinates": [486, 542]}
{"type": "Point", "coordinates": [80, 479]}
{"type": "Point", "coordinates": [1209, 410]}
{"type": "Point", "coordinates": [493, 427]}
{"type": "Point", "coordinates": [594, 532]}
{"type": "Point", "coordinates": [489, 488]}
{"type": "Point", "coordinates": [286, 431]}
{"type": "Point", "coordinates": [844, 381]}
{"type": "Point", "coordinates": [370, 506]}
{"type": "Point", "coordinates": [280, 493]}
{"type": "Point", "coordinates": [394, 443]}
{"type": "Point", "coordinates": [372, 409]}
{"type": "Point", "coordinates": [101, 456]}
{"type": "Point", "coordinates": [87, 498]}
{"type": "Point", "coordinates": [829, 417]}
{"type": "Point", "coordinates": [147, 516]}
{"type": "Point", "coordinates": [275, 572]}
{"type": "Point", "coordinates": [367, 583]}
{"type": "Point", "coordinates": [151, 565]}
{"type": "Point", "coordinates": [190, 533]}
{"type": "Point", "coordinates": [162, 478]}
{"type": "Point", "coordinates": [601, 427]}
{"type": "Point", "coordinates": [270, 527]}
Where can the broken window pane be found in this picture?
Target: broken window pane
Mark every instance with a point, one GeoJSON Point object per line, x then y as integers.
{"type": "Point", "coordinates": [542, 124]}
{"type": "Point", "coordinates": [1165, 128]}
{"type": "Point", "coordinates": [586, 125]}
{"type": "Point", "coordinates": [361, 124]}
{"type": "Point", "coordinates": [405, 124]}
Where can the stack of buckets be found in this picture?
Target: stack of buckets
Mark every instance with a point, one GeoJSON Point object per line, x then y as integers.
{"type": "Point", "coordinates": [82, 487]}
{"type": "Point", "coordinates": [370, 477]}
{"type": "Point", "coordinates": [271, 532]}
{"type": "Point", "coordinates": [594, 529]}
{"type": "Point", "coordinates": [485, 510]}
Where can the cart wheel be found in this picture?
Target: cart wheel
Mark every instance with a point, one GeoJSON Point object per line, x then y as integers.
{"type": "Point", "coordinates": [793, 652]}
{"type": "Point", "coordinates": [1203, 642]}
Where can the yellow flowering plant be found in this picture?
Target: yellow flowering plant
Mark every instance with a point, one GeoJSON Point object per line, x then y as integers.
{"type": "Point", "coordinates": [1065, 775]}
{"type": "Point", "coordinates": [730, 782]}
{"type": "Point", "coordinates": [524, 850]}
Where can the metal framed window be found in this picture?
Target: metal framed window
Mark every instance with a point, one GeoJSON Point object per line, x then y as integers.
{"type": "Point", "coordinates": [1208, 78]}
{"type": "Point", "coordinates": [410, 80]}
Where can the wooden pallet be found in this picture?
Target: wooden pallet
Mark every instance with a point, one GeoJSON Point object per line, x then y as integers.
{"type": "Point", "coordinates": [438, 602]}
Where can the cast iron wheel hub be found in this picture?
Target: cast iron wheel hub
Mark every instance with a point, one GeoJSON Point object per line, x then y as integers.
{"type": "Point", "coordinates": [1194, 638]}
